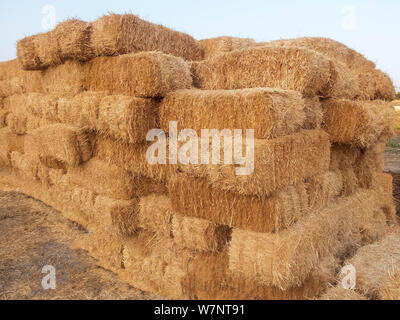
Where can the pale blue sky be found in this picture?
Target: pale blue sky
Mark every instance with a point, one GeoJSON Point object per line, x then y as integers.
{"type": "Point", "coordinates": [373, 29]}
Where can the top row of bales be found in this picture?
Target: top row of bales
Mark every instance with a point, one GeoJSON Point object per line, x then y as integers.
{"type": "Point", "coordinates": [114, 35]}
{"type": "Point", "coordinates": [110, 35]}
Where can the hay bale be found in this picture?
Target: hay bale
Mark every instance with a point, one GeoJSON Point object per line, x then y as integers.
{"type": "Point", "coordinates": [69, 40]}
{"type": "Point", "coordinates": [215, 46]}
{"type": "Point", "coordinates": [358, 123]}
{"type": "Point", "coordinates": [73, 38]}
{"type": "Point", "coordinates": [27, 54]}
{"type": "Point", "coordinates": [210, 278]}
{"type": "Point", "coordinates": [156, 265]}
{"type": "Point", "coordinates": [15, 80]}
{"type": "Point", "coordinates": [43, 106]}
{"type": "Point", "coordinates": [288, 68]}
{"type": "Point", "coordinates": [270, 112]}
{"type": "Point", "coordinates": [112, 181]}
{"type": "Point", "coordinates": [375, 264]}
{"type": "Point", "coordinates": [314, 114]}
{"type": "Point", "coordinates": [286, 259]}
{"type": "Point", "coordinates": [385, 89]}
{"type": "Point", "coordinates": [194, 197]}
{"type": "Point", "coordinates": [17, 123]}
{"type": "Point", "coordinates": [391, 289]}
{"type": "Point", "coordinates": [260, 214]}
{"type": "Point", "coordinates": [338, 293]}
{"type": "Point", "coordinates": [61, 143]}
{"type": "Point", "coordinates": [199, 235]}
{"type": "Point", "coordinates": [278, 163]}
{"type": "Point", "coordinates": [131, 157]}
{"type": "Point", "coordinates": [105, 247]}
{"type": "Point", "coordinates": [331, 48]}
{"type": "Point", "coordinates": [155, 215]}
{"type": "Point", "coordinates": [81, 110]}
{"type": "Point", "coordinates": [124, 118]}
{"type": "Point", "coordinates": [373, 83]}
{"type": "Point", "coordinates": [146, 74]}
{"type": "Point", "coordinates": [116, 34]}
{"type": "Point", "coordinates": [67, 79]}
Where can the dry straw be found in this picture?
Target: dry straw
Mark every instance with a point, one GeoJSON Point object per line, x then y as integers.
{"type": "Point", "coordinates": [373, 84]}
{"type": "Point", "coordinates": [287, 258]}
{"type": "Point", "coordinates": [60, 143]}
{"type": "Point", "coordinates": [375, 264]}
{"type": "Point", "coordinates": [339, 293]}
{"type": "Point", "coordinates": [269, 112]}
{"type": "Point", "coordinates": [278, 163]}
{"type": "Point", "coordinates": [194, 197]}
{"type": "Point", "coordinates": [359, 124]}
{"type": "Point", "coordinates": [67, 79]}
{"type": "Point", "coordinates": [112, 181]}
{"type": "Point", "coordinates": [391, 289]}
{"type": "Point", "coordinates": [209, 278]}
{"type": "Point", "coordinates": [147, 74]}
{"type": "Point", "coordinates": [288, 68]}
{"type": "Point", "coordinates": [116, 34]}
{"type": "Point", "coordinates": [215, 46]}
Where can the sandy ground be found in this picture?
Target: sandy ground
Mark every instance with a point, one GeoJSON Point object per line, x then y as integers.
{"type": "Point", "coordinates": [33, 235]}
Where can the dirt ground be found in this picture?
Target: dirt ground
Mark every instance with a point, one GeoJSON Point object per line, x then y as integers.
{"type": "Point", "coordinates": [33, 235]}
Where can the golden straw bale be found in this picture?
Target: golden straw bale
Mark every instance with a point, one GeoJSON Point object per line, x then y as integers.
{"type": "Point", "coordinates": [131, 157]}
{"type": "Point", "coordinates": [341, 294]}
{"type": "Point", "coordinates": [66, 79]}
{"type": "Point", "coordinates": [270, 112]}
{"type": "Point", "coordinates": [27, 54]}
{"type": "Point", "coordinates": [146, 74]}
{"type": "Point", "coordinates": [117, 34]}
{"type": "Point", "coordinates": [277, 163]}
{"type": "Point", "coordinates": [210, 278]}
{"type": "Point", "coordinates": [358, 123]}
{"type": "Point", "coordinates": [155, 265]}
{"type": "Point", "coordinates": [199, 235]}
{"type": "Point", "coordinates": [194, 197]}
{"type": "Point", "coordinates": [286, 259]}
{"type": "Point", "coordinates": [373, 83]}
{"type": "Point", "coordinates": [343, 161]}
{"type": "Point", "coordinates": [73, 39]}
{"type": "Point", "coordinates": [44, 106]}
{"type": "Point", "coordinates": [63, 143]}
{"type": "Point", "coordinates": [215, 46]}
{"type": "Point", "coordinates": [384, 86]}
{"type": "Point", "coordinates": [15, 80]}
{"type": "Point", "coordinates": [47, 49]}
{"type": "Point", "coordinates": [81, 110]}
{"type": "Point", "coordinates": [103, 213]}
{"type": "Point", "coordinates": [155, 215]}
{"type": "Point", "coordinates": [288, 68]}
{"type": "Point", "coordinates": [314, 113]}
{"type": "Point", "coordinates": [127, 118]}
{"type": "Point", "coordinates": [330, 48]}
{"type": "Point", "coordinates": [391, 289]}
{"type": "Point", "coordinates": [375, 264]}
{"type": "Point", "coordinates": [260, 214]}
{"type": "Point", "coordinates": [112, 181]}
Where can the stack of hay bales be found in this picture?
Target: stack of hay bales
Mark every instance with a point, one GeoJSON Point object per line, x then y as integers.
{"type": "Point", "coordinates": [75, 138]}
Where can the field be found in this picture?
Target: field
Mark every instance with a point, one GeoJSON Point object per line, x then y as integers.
{"type": "Point", "coordinates": [34, 235]}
